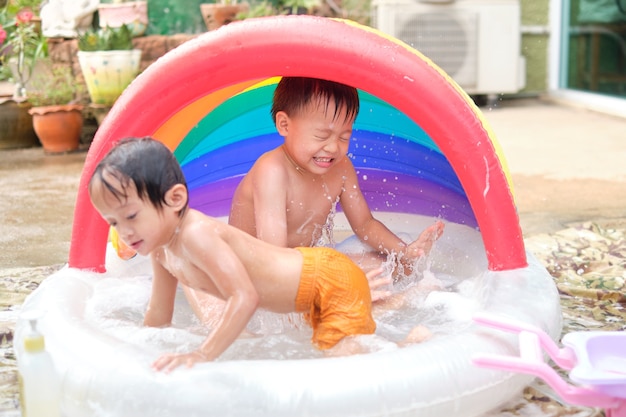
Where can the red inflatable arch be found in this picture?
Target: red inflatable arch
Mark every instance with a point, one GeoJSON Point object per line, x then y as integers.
{"type": "Point", "coordinates": [309, 46]}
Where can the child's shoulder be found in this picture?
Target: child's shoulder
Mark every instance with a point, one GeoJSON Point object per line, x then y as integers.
{"type": "Point", "coordinates": [270, 164]}
{"type": "Point", "coordinates": [344, 168]}
{"type": "Point", "coordinates": [196, 220]}
{"type": "Point", "coordinates": [270, 158]}
{"type": "Point", "coordinates": [200, 229]}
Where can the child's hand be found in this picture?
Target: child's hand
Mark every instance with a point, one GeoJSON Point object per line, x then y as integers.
{"type": "Point", "coordinates": [376, 281]}
{"type": "Point", "coordinates": [424, 243]}
{"type": "Point", "coordinates": [170, 361]}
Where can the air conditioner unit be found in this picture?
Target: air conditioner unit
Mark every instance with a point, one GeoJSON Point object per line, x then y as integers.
{"type": "Point", "coordinates": [476, 42]}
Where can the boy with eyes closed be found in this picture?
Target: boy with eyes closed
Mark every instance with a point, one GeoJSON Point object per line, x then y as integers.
{"type": "Point", "coordinates": [286, 197]}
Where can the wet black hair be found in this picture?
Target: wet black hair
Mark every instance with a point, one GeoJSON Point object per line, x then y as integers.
{"type": "Point", "coordinates": [293, 94]}
{"type": "Point", "coordinates": [144, 162]}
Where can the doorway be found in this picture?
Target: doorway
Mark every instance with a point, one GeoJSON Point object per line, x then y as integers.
{"type": "Point", "coordinates": [593, 47]}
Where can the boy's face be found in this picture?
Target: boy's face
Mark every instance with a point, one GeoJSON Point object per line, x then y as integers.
{"type": "Point", "coordinates": [135, 220]}
{"type": "Point", "coordinates": [317, 138]}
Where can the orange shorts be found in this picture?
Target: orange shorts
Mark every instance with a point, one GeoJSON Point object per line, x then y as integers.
{"type": "Point", "coordinates": [336, 296]}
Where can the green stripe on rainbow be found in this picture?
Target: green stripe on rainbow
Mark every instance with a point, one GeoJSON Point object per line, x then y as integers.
{"type": "Point", "coordinates": [247, 115]}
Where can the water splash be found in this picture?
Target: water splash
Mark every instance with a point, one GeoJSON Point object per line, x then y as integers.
{"type": "Point", "coordinates": [326, 235]}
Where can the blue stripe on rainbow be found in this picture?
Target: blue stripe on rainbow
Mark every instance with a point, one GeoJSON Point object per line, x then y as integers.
{"type": "Point", "coordinates": [400, 167]}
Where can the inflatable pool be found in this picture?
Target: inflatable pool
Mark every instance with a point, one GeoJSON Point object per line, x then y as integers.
{"type": "Point", "coordinates": [422, 151]}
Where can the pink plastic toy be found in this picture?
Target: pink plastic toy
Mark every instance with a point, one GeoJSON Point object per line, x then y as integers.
{"type": "Point", "coordinates": [596, 361]}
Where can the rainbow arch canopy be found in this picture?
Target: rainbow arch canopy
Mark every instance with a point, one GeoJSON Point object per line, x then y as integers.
{"type": "Point", "coordinates": [419, 144]}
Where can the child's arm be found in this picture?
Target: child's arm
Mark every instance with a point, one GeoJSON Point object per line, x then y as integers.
{"type": "Point", "coordinates": [375, 233]}
{"type": "Point", "coordinates": [161, 305]}
{"type": "Point", "coordinates": [269, 185]}
{"type": "Point", "coordinates": [365, 226]}
{"type": "Point", "coordinates": [233, 283]}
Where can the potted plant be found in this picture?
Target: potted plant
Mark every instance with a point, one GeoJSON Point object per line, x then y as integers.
{"type": "Point", "coordinates": [108, 62]}
{"type": "Point", "coordinates": [297, 6]}
{"type": "Point", "coordinates": [221, 13]}
{"type": "Point", "coordinates": [21, 47]}
{"type": "Point", "coordinates": [115, 13]}
{"type": "Point", "coordinates": [258, 9]}
{"type": "Point", "coordinates": [56, 111]}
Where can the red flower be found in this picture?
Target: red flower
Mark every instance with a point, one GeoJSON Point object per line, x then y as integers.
{"type": "Point", "coordinates": [3, 35]}
{"type": "Point", "coordinates": [24, 16]}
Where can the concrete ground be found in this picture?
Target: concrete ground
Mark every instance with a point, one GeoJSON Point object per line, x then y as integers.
{"type": "Point", "coordinates": [567, 164]}
{"type": "Point", "coordinates": [37, 205]}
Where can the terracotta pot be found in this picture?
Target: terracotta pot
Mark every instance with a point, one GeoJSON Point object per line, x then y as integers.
{"type": "Point", "coordinates": [58, 127]}
{"type": "Point", "coordinates": [16, 125]}
{"type": "Point", "coordinates": [217, 15]}
{"type": "Point", "coordinates": [131, 13]}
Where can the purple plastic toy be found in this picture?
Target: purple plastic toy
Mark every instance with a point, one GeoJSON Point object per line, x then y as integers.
{"type": "Point", "coordinates": [596, 361]}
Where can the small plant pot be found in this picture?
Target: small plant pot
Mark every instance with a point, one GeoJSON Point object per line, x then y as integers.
{"type": "Point", "coordinates": [16, 125]}
{"type": "Point", "coordinates": [58, 127]}
{"type": "Point", "coordinates": [131, 13]}
{"type": "Point", "coordinates": [217, 15]}
{"type": "Point", "coordinates": [108, 73]}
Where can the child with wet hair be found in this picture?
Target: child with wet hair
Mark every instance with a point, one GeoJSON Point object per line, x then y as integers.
{"type": "Point", "coordinates": [288, 194]}
{"type": "Point", "coordinates": [140, 190]}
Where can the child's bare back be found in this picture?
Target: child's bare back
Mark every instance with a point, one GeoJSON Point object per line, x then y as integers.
{"type": "Point", "coordinates": [207, 254]}
{"type": "Point", "coordinates": [140, 190]}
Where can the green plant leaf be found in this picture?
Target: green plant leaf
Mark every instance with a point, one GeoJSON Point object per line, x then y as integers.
{"type": "Point", "coordinates": [56, 85]}
{"type": "Point", "coordinates": [106, 39]}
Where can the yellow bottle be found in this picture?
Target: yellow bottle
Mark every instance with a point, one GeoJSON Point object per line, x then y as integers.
{"type": "Point", "coordinates": [39, 380]}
